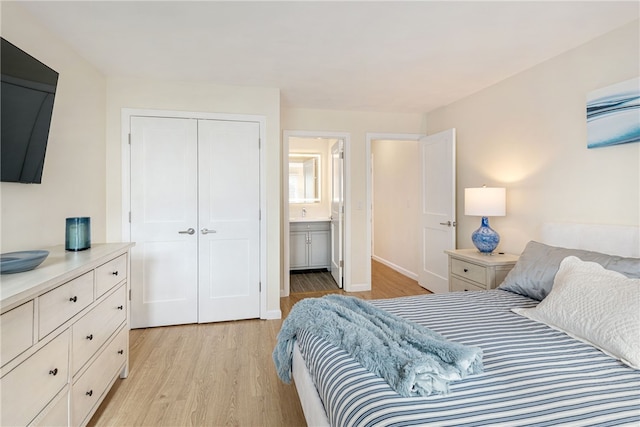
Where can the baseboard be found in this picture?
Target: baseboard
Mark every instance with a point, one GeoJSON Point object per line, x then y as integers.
{"type": "Point", "coordinates": [272, 315]}
{"type": "Point", "coordinates": [359, 287]}
{"type": "Point", "coordinates": [395, 267]}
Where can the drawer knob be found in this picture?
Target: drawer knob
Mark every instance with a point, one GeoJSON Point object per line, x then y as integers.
{"type": "Point", "coordinates": [115, 273]}
{"type": "Point", "coordinates": [89, 393]}
{"type": "Point", "coordinates": [53, 372]}
{"type": "Point", "coordinates": [73, 299]}
{"type": "Point", "coordinates": [90, 337]}
{"type": "Point", "coordinates": [120, 307]}
{"type": "Point", "coordinates": [120, 351]}
{"type": "Point", "coordinates": [466, 270]}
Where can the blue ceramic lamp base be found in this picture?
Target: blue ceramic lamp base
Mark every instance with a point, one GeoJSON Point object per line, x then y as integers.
{"type": "Point", "coordinates": [485, 238]}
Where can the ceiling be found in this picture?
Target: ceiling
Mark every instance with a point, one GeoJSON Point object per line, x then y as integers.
{"type": "Point", "coordinates": [351, 55]}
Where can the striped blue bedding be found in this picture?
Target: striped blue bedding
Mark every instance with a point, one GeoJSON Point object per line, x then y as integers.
{"type": "Point", "coordinates": [533, 375]}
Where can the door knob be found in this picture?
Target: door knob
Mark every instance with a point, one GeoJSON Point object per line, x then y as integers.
{"type": "Point", "coordinates": [187, 231]}
{"type": "Point", "coordinates": [207, 231]}
{"type": "Point", "coordinates": [448, 223]}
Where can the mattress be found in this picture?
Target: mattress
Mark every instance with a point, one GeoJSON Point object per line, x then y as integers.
{"type": "Point", "coordinates": [533, 375]}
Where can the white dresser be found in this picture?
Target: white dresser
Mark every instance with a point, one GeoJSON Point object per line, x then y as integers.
{"type": "Point", "coordinates": [64, 335]}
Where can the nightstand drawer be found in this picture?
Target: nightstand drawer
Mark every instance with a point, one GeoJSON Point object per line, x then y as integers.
{"type": "Point", "coordinates": [469, 270]}
{"type": "Point", "coordinates": [475, 273]}
{"type": "Point", "coordinates": [457, 285]}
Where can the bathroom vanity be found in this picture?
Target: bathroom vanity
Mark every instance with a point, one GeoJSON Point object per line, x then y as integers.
{"type": "Point", "coordinates": [309, 244]}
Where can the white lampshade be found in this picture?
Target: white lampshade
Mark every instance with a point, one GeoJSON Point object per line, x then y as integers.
{"type": "Point", "coordinates": [485, 201]}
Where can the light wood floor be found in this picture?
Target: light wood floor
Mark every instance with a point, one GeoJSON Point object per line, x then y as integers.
{"type": "Point", "coordinates": [218, 374]}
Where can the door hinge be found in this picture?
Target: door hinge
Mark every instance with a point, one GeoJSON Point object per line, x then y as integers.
{"type": "Point", "coordinates": [259, 214]}
{"type": "Point", "coordinates": [260, 286]}
{"type": "Point", "coordinates": [129, 217]}
{"type": "Point", "coordinates": [342, 155]}
{"type": "Point", "coordinates": [259, 143]}
{"type": "Point", "coordinates": [341, 263]}
{"type": "Point", "coordinates": [129, 139]}
{"type": "Point", "coordinates": [129, 294]}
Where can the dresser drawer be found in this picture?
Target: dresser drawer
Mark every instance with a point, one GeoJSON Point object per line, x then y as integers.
{"type": "Point", "coordinates": [469, 271]}
{"type": "Point", "coordinates": [57, 414]}
{"type": "Point", "coordinates": [33, 384]}
{"type": "Point", "coordinates": [458, 285]}
{"type": "Point", "coordinates": [110, 274]}
{"type": "Point", "coordinates": [16, 331]}
{"type": "Point", "coordinates": [88, 389]}
{"type": "Point", "coordinates": [95, 327]}
{"type": "Point", "coordinates": [62, 303]}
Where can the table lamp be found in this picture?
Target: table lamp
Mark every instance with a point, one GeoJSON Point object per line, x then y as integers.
{"type": "Point", "coordinates": [485, 202]}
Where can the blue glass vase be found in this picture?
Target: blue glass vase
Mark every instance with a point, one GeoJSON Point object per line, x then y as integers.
{"type": "Point", "coordinates": [485, 238]}
{"type": "Point", "coordinates": [78, 234]}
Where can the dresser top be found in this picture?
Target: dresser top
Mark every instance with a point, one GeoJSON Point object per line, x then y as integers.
{"type": "Point", "coordinates": [473, 255]}
{"type": "Point", "coordinates": [59, 267]}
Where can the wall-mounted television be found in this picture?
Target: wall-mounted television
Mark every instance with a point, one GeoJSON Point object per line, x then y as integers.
{"type": "Point", "coordinates": [27, 94]}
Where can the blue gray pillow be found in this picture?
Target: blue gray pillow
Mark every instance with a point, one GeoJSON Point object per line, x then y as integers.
{"type": "Point", "coordinates": [533, 274]}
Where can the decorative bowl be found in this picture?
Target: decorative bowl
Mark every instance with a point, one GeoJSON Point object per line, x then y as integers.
{"type": "Point", "coordinates": [17, 262]}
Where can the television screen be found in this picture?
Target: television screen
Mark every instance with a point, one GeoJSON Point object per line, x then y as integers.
{"type": "Point", "coordinates": [27, 94]}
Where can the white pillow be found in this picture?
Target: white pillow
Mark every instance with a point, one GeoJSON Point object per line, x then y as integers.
{"type": "Point", "coordinates": [598, 306]}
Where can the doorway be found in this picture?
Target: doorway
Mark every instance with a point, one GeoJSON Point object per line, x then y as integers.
{"type": "Point", "coordinates": [315, 226]}
{"type": "Point", "coordinates": [431, 213]}
{"type": "Point", "coordinates": [395, 200]}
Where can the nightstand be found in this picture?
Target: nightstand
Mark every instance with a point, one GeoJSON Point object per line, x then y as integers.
{"type": "Point", "coordinates": [469, 270]}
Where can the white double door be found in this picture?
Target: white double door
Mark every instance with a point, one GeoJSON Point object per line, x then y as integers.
{"type": "Point", "coordinates": [195, 218]}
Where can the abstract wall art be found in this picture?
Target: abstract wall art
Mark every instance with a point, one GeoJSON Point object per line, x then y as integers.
{"type": "Point", "coordinates": [613, 114]}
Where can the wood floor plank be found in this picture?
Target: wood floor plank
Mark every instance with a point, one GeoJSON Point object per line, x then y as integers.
{"type": "Point", "coordinates": [311, 281]}
{"type": "Point", "coordinates": [218, 374]}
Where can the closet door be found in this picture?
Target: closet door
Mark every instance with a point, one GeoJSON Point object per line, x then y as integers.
{"type": "Point", "coordinates": [164, 207]}
{"type": "Point", "coordinates": [229, 220]}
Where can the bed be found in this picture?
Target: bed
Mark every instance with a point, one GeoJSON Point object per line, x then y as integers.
{"type": "Point", "coordinates": [534, 374]}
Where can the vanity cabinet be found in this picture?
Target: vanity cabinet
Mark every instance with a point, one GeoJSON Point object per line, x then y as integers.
{"type": "Point", "coordinates": [309, 245]}
{"type": "Point", "coordinates": [64, 335]}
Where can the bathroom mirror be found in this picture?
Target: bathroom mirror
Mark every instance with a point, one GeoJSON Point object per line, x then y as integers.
{"type": "Point", "coordinates": [304, 178]}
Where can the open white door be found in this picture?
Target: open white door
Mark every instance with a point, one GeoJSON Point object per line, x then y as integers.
{"type": "Point", "coordinates": [337, 211]}
{"type": "Point", "coordinates": [438, 208]}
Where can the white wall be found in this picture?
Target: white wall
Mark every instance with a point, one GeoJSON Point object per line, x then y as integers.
{"type": "Point", "coordinates": [208, 98]}
{"type": "Point", "coordinates": [357, 124]}
{"type": "Point", "coordinates": [73, 180]}
{"type": "Point", "coordinates": [396, 204]}
{"type": "Point", "coordinates": [528, 133]}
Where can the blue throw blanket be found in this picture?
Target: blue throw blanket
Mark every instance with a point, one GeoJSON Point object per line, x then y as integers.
{"type": "Point", "coordinates": [414, 360]}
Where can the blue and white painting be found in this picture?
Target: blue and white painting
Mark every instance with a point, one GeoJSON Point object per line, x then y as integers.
{"type": "Point", "coordinates": [613, 114]}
